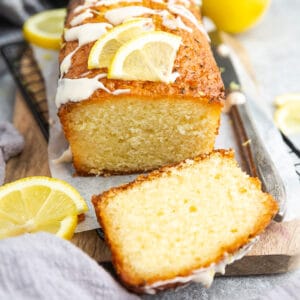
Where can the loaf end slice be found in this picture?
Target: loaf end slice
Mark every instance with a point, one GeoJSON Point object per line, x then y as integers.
{"type": "Point", "coordinates": [183, 222]}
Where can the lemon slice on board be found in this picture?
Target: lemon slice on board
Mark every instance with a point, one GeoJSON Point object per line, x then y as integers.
{"type": "Point", "coordinates": [287, 115]}
{"type": "Point", "coordinates": [105, 48]}
{"type": "Point", "coordinates": [45, 28]}
{"type": "Point", "coordinates": [39, 204]}
{"type": "Point", "coordinates": [150, 56]}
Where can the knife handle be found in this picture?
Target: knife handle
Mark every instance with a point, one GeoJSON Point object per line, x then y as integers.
{"type": "Point", "coordinates": [257, 158]}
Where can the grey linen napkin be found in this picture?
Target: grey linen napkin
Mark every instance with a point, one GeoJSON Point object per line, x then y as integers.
{"type": "Point", "coordinates": [11, 144]}
{"type": "Point", "coordinates": [43, 266]}
{"type": "Point", "coordinates": [17, 11]}
{"type": "Point", "coordinates": [290, 291]}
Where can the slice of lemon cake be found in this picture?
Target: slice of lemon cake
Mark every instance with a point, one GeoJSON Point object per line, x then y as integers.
{"type": "Point", "coordinates": [184, 222]}
{"type": "Point", "coordinates": [139, 87]}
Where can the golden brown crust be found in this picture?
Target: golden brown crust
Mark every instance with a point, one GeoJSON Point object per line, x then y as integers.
{"type": "Point", "coordinates": [134, 283]}
{"type": "Point", "coordinates": [159, 173]}
{"type": "Point", "coordinates": [199, 74]}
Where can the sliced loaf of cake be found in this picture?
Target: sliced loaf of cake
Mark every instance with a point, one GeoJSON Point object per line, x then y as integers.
{"type": "Point", "coordinates": [183, 222]}
{"type": "Point", "coordinates": [118, 126]}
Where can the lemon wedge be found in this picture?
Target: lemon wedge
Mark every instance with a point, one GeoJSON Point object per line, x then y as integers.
{"type": "Point", "coordinates": [45, 29]}
{"type": "Point", "coordinates": [287, 114]}
{"type": "Point", "coordinates": [149, 56]}
{"type": "Point", "coordinates": [39, 204]}
{"type": "Point", "coordinates": [287, 98]}
{"type": "Point", "coordinates": [105, 48]}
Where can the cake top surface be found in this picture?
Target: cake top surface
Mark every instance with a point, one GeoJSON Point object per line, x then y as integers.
{"type": "Point", "coordinates": [199, 76]}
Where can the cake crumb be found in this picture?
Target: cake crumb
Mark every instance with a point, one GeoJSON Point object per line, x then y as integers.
{"type": "Point", "coordinates": [248, 142]}
{"type": "Point", "coordinates": [51, 122]}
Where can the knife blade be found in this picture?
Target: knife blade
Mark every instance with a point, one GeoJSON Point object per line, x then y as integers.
{"type": "Point", "coordinates": [258, 161]}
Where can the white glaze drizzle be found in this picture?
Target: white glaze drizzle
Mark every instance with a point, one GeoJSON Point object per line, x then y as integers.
{"type": "Point", "coordinates": [187, 3]}
{"type": "Point", "coordinates": [184, 2]}
{"type": "Point", "coordinates": [185, 13]}
{"type": "Point", "coordinates": [119, 15]}
{"type": "Point", "coordinates": [66, 63]}
{"type": "Point", "coordinates": [94, 3]}
{"type": "Point", "coordinates": [120, 91]}
{"type": "Point", "coordinates": [115, 17]}
{"type": "Point", "coordinates": [85, 33]}
{"type": "Point", "coordinates": [86, 4]}
{"type": "Point", "coordinates": [159, 1]}
{"type": "Point", "coordinates": [174, 76]}
{"type": "Point", "coordinates": [79, 89]}
{"type": "Point", "coordinates": [198, 2]}
{"type": "Point", "coordinates": [204, 275]}
{"type": "Point", "coordinates": [181, 25]}
{"type": "Point", "coordinates": [85, 73]}
{"type": "Point", "coordinates": [173, 23]}
{"type": "Point", "coordinates": [81, 17]}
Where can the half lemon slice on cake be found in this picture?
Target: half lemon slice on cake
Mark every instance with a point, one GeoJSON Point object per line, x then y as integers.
{"type": "Point", "coordinates": [39, 204]}
{"type": "Point", "coordinates": [150, 56]}
{"type": "Point", "coordinates": [105, 48]}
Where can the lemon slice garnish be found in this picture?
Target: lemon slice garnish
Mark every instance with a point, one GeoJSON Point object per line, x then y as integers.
{"type": "Point", "coordinates": [287, 98]}
{"type": "Point", "coordinates": [149, 56]}
{"type": "Point", "coordinates": [287, 117]}
{"type": "Point", "coordinates": [39, 204]}
{"type": "Point", "coordinates": [105, 48]}
{"type": "Point", "coordinates": [45, 29]}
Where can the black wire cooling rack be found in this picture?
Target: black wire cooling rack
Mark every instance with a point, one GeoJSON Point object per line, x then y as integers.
{"type": "Point", "coordinates": [25, 71]}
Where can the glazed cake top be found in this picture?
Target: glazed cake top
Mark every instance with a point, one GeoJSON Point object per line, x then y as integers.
{"type": "Point", "coordinates": [199, 76]}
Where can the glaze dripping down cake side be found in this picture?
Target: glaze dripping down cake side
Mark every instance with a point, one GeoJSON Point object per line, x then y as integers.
{"type": "Point", "coordinates": [183, 223]}
{"type": "Point", "coordinates": [126, 126]}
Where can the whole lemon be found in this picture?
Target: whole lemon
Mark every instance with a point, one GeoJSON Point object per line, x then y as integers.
{"type": "Point", "coordinates": [234, 16]}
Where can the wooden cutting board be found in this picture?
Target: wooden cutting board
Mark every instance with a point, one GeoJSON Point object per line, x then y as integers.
{"type": "Point", "coordinates": [277, 251]}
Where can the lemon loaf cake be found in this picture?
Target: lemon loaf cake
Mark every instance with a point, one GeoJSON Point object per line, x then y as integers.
{"type": "Point", "coordinates": [139, 87]}
{"type": "Point", "coordinates": [183, 222]}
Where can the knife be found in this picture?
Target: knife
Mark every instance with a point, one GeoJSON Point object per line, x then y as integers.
{"type": "Point", "coordinates": [253, 150]}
